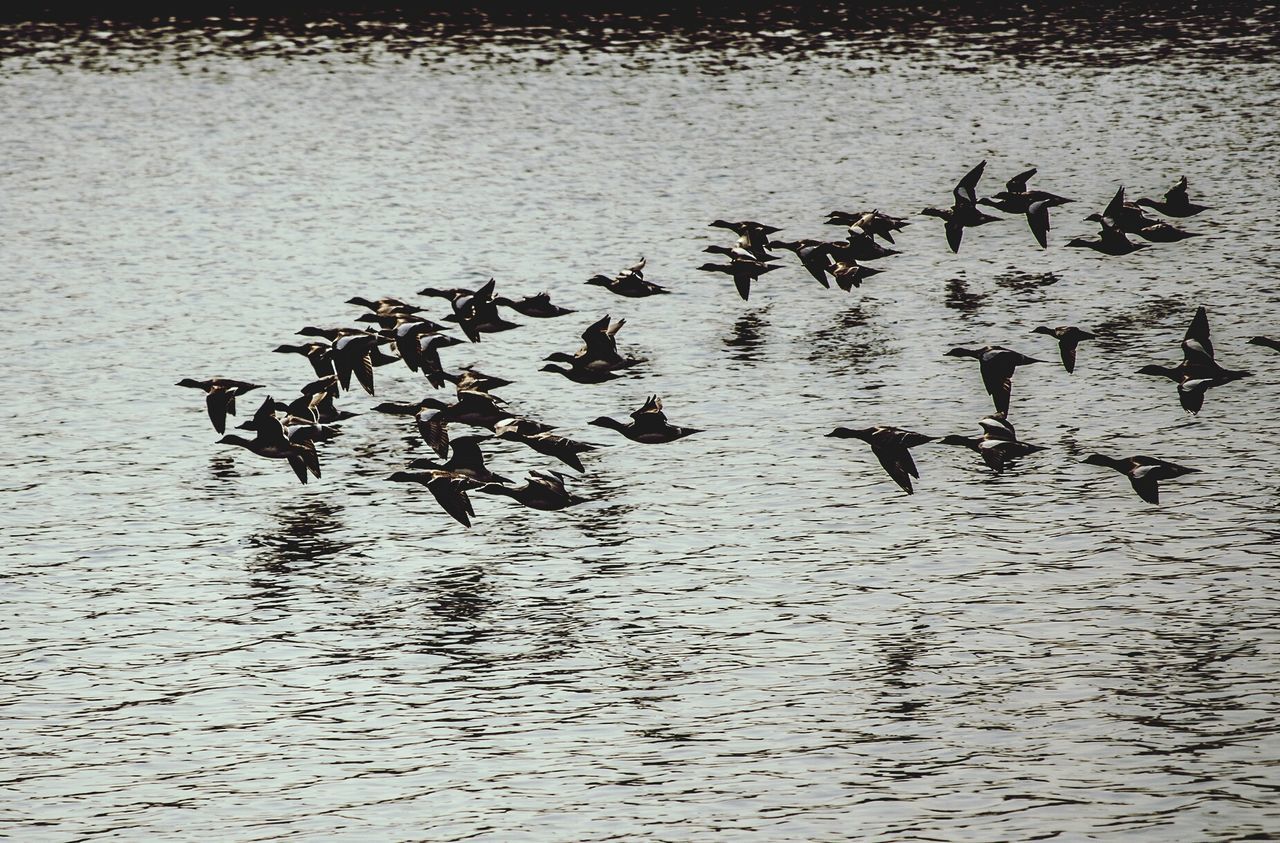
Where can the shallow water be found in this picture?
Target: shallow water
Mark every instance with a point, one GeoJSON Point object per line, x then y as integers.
{"type": "Point", "coordinates": [751, 630]}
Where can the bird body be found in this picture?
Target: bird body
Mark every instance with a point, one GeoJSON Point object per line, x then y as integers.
{"type": "Point", "coordinates": [1068, 337]}
{"type": "Point", "coordinates": [890, 445]}
{"type": "Point", "coordinates": [648, 425]}
{"type": "Point", "coordinates": [1144, 473]}
{"type": "Point", "coordinates": [997, 365]}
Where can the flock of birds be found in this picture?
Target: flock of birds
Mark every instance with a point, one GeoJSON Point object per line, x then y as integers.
{"type": "Point", "coordinates": [395, 331]}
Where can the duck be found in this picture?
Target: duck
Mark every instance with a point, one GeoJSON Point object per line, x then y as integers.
{"type": "Point", "coordinates": [300, 422]}
{"type": "Point", "coordinates": [743, 273]}
{"type": "Point", "coordinates": [997, 365]}
{"type": "Point", "coordinates": [741, 254]}
{"type": "Point", "coordinates": [549, 444]}
{"type": "Point", "coordinates": [353, 354]}
{"type": "Point", "coordinates": [890, 445]}
{"type": "Point", "coordinates": [220, 397]}
{"type": "Point", "coordinates": [1265, 342]}
{"type": "Point", "coordinates": [871, 223]}
{"type": "Point", "coordinates": [428, 360]}
{"type": "Point", "coordinates": [964, 211]}
{"type": "Point", "coordinates": [320, 395]}
{"type": "Point", "coordinates": [629, 283]}
{"type": "Point", "coordinates": [384, 306]}
{"type": "Point", "coordinates": [391, 321]}
{"type": "Point", "coordinates": [599, 351]}
{"type": "Point", "coordinates": [477, 313]}
{"type": "Point", "coordinates": [475, 380]}
{"type": "Point", "coordinates": [1198, 361]}
{"type": "Point", "coordinates": [478, 409]}
{"type": "Point", "coordinates": [850, 274]}
{"type": "Point", "coordinates": [998, 445]}
{"type": "Point", "coordinates": [271, 442]}
{"type": "Point", "coordinates": [859, 247]}
{"type": "Point", "coordinates": [581, 375]}
{"type": "Point", "coordinates": [648, 425]}
{"type": "Point", "coordinates": [317, 354]}
{"type": "Point", "coordinates": [1016, 199]}
{"type": "Point", "coordinates": [814, 256]}
{"type": "Point", "coordinates": [752, 236]}
{"type": "Point", "coordinates": [1111, 241]}
{"type": "Point", "coordinates": [467, 460]}
{"type": "Point", "coordinates": [1068, 337]}
{"type": "Point", "coordinates": [1162, 232]}
{"type": "Point", "coordinates": [543, 490]}
{"type": "Point", "coordinates": [413, 339]}
{"type": "Point", "coordinates": [1144, 473]}
{"type": "Point", "coordinates": [535, 307]}
{"type": "Point", "coordinates": [1176, 203]}
{"type": "Point", "coordinates": [449, 490]}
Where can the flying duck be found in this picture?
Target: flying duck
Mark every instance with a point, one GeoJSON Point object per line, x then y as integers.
{"type": "Point", "coordinates": [850, 274]}
{"type": "Point", "coordinates": [964, 211]}
{"type": "Point", "coordinates": [743, 273]}
{"type": "Point", "coordinates": [220, 397]}
{"type": "Point", "coordinates": [1111, 241]}
{"type": "Point", "coordinates": [1198, 370]}
{"type": "Point", "coordinates": [353, 353]}
{"type": "Point", "coordinates": [449, 490]}
{"type": "Point", "coordinates": [1265, 342]}
{"type": "Point", "coordinates": [752, 236]}
{"type": "Point", "coordinates": [384, 306]}
{"type": "Point", "coordinates": [872, 223]}
{"type": "Point", "coordinates": [477, 313]}
{"type": "Point", "coordinates": [859, 247]}
{"type": "Point", "coordinates": [467, 459]}
{"type": "Point", "coordinates": [998, 445]}
{"type": "Point", "coordinates": [599, 351]}
{"type": "Point", "coordinates": [890, 445]}
{"type": "Point", "coordinates": [1016, 199]}
{"type": "Point", "coordinates": [629, 282]}
{"type": "Point", "coordinates": [317, 354]}
{"type": "Point", "coordinates": [814, 255]}
{"type": "Point", "coordinates": [1176, 203]}
{"type": "Point", "coordinates": [1068, 337]}
{"type": "Point", "coordinates": [272, 442]}
{"type": "Point", "coordinates": [535, 307]}
{"type": "Point", "coordinates": [1162, 232]}
{"type": "Point", "coordinates": [648, 425]}
{"type": "Point", "coordinates": [564, 449]}
{"type": "Point", "coordinates": [543, 490]}
{"type": "Point", "coordinates": [997, 365]}
{"type": "Point", "coordinates": [1143, 472]}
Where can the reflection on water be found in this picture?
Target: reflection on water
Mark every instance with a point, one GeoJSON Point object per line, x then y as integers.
{"type": "Point", "coordinates": [853, 338]}
{"type": "Point", "coordinates": [1027, 282]}
{"type": "Point", "coordinates": [960, 298]}
{"type": "Point", "coordinates": [304, 532]}
{"type": "Point", "coordinates": [746, 340]}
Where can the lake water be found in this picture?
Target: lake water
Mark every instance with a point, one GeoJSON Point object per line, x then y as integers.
{"type": "Point", "coordinates": [748, 633]}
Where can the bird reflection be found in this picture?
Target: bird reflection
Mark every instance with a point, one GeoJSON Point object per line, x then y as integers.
{"type": "Point", "coordinates": [303, 534]}
{"type": "Point", "coordinates": [901, 652]}
{"type": "Point", "coordinates": [223, 467]}
{"type": "Point", "coordinates": [959, 298]}
{"type": "Point", "coordinates": [1025, 282]}
{"type": "Point", "coordinates": [746, 340]}
{"type": "Point", "coordinates": [852, 337]}
{"type": "Point", "coordinates": [1119, 331]}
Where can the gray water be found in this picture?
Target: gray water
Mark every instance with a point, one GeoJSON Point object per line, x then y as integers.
{"type": "Point", "coordinates": [748, 633]}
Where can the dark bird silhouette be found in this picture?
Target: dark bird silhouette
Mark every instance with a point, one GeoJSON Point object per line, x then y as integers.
{"type": "Point", "coordinates": [467, 460]}
{"type": "Point", "coordinates": [272, 442]}
{"type": "Point", "coordinates": [871, 223]}
{"type": "Point", "coordinates": [1068, 337]}
{"type": "Point", "coordinates": [964, 212]}
{"type": "Point", "coordinates": [814, 256]}
{"type": "Point", "coordinates": [1265, 342]}
{"type": "Point", "coordinates": [1176, 203]}
{"type": "Point", "coordinates": [998, 446]}
{"type": "Point", "coordinates": [543, 490]}
{"type": "Point", "coordinates": [743, 273]}
{"type": "Point", "coordinates": [1144, 473]}
{"type": "Point", "coordinates": [564, 449]}
{"type": "Point", "coordinates": [629, 282]}
{"type": "Point", "coordinates": [449, 490]}
{"type": "Point", "coordinates": [648, 425]}
{"type": "Point", "coordinates": [535, 307]}
{"type": "Point", "coordinates": [997, 365]}
{"type": "Point", "coordinates": [1199, 370]}
{"type": "Point", "coordinates": [890, 445]}
{"type": "Point", "coordinates": [317, 354]}
{"type": "Point", "coordinates": [220, 397]}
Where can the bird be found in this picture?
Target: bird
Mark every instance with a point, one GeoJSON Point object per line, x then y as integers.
{"type": "Point", "coordinates": [741, 254]}
{"type": "Point", "coordinates": [850, 274]}
{"type": "Point", "coordinates": [478, 409]}
{"type": "Point", "coordinates": [1144, 473]}
{"type": "Point", "coordinates": [549, 444]}
{"type": "Point", "coordinates": [1199, 370]}
{"type": "Point", "coordinates": [648, 425]}
{"type": "Point", "coordinates": [1038, 221]}
{"type": "Point", "coordinates": [964, 212]}
{"type": "Point", "coordinates": [814, 256]}
{"type": "Point", "coordinates": [543, 490]}
{"type": "Point", "coordinates": [412, 339]}
{"type": "Point", "coordinates": [317, 354]}
{"type": "Point", "coordinates": [1068, 337]}
{"type": "Point", "coordinates": [384, 306]}
{"type": "Point", "coordinates": [890, 445]}
{"type": "Point", "coordinates": [220, 397]}
{"type": "Point", "coordinates": [1265, 342]}
{"type": "Point", "coordinates": [352, 353]}
{"type": "Point", "coordinates": [1016, 199]}
{"type": "Point", "coordinates": [535, 307]}
{"type": "Point", "coordinates": [581, 375]}
{"type": "Point", "coordinates": [998, 446]}
{"type": "Point", "coordinates": [467, 460]}
{"type": "Point", "coordinates": [477, 313]}
{"type": "Point", "coordinates": [599, 351]}
{"type": "Point", "coordinates": [449, 490]}
{"type": "Point", "coordinates": [871, 223]}
{"type": "Point", "coordinates": [272, 442]}
{"type": "Point", "coordinates": [859, 247]}
{"type": "Point", "coordinates": [752, 236]}
{"type": "Point", "coordinates": [629, 282]}
{"type": "Point", "coordinates": [1176, 203]}
{"type": "Point", "coordinates": [997, 365]}
{"type": "Point", "coordinates": [743, 273]}
{"type": "Point", "coordinates": [1162, 232]}
{"type": "Point", "coordinates": [1127, 217]}
{"type": "Point", "coordinates": [1110, 242]}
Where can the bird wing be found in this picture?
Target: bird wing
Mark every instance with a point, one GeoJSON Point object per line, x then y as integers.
{"type": "Point", "coordinates": [1114, 209]}
{"type": "Point", "coordinates": [966, 191]}
{"type": "Point", "coordinates": [1038, 221]}
{"type": "Point", "coordinates": [1198, 330]}
{"type": "Point", "coordinates": [434, 431]}
{"type": "Point", "coordinates": [1177, 194]}
{"type": "Point", "coordinates": [452, 498]}
{"type": "Point", "coordinates": [218, 401]}
{"type": "Point", "coordinates": [1018, 184]}
{"type": "Point", "coordinates": [299, 466]}
{"type": "Point", "coordinates": [997, 377]}
{"type": "Point", "coordinates": [1143, 481]}
{"type": "Point", "coordinates": [897, 462]}
{"type": "Point", "coordinates": [742, 280]}
{"type": "Point", "coordinates": [363, 366]}
{"type": "Point", "coordinates": [1067, 348]}
{"type": "Point", "coordinates": [955, 233]}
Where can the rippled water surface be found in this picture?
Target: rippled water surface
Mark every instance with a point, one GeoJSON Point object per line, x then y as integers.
{"type": "Point", "coordinates": [751, 632]}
